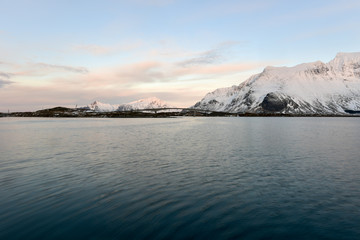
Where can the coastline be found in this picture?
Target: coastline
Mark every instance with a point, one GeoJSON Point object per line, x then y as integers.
{"type": "Point", "coordinates": [83, 113]}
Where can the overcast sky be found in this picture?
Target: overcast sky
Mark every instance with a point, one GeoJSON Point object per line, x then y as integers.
{"type": "Point", "coordinates": [69, 53]}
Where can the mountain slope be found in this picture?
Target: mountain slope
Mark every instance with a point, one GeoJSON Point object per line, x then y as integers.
{"type": "Point", "coordinates": [309, 88]}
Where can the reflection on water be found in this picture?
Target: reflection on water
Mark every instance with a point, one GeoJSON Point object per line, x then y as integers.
{"type": "Point", "coordinates": [201, 178]}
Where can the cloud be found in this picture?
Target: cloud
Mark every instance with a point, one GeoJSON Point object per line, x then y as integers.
{"type": "Point", "coordinates": [149, 71]}
{"type": "Point", "coordinates": [31, 69]}
{"type": "Point", "coordinates": [4, 79]}
{"type": "Point", "coordinates": [209, 57]}
{"type": "Point", "coordinates": [6, 75]}
{"type": "Point", "coordinates": [4, 82]}
{"type": "Point", "coordinates": [205, 58]}
{"type": "Point", "coordinates": [125, 75]}
{"type": "Point", "coordinates": [61, 68]}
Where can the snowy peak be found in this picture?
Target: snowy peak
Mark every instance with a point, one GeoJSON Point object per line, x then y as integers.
{"type": "Point", "coordinates": [348, 64]}
{"type": "Point", "coordinates": [347, 57]}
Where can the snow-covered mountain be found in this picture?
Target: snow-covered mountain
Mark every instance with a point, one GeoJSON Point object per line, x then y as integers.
{"type": "Point", "coordinates": [148, 103]}
{"type": "Point", "coordinates": [102, 107]}
{"type": "Point", "coordinates": [309, 88]}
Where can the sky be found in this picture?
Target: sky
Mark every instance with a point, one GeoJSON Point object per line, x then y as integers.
{"type": "Point", "coordinates": [68, 53]}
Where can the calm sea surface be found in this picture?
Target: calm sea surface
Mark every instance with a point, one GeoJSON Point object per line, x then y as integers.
{"type": "Point", "coordinates": [180, 178]}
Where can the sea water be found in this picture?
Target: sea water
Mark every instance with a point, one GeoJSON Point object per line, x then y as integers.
{"type": "Point", "coordinates": [180, 178]}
